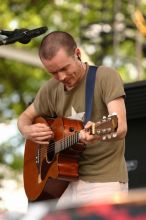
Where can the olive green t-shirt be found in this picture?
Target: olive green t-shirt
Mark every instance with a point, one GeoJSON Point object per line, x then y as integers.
{"type": "Point", "coordinates": [103, 161]}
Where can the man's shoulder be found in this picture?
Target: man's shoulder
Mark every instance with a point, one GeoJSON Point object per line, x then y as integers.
{"type": "Point", "coordinates": [50, 86]}
{"type": "Point", "coordinates": [105, 69]}
{"type": "Point", "coordinates": [108, 72]}
{"type": "Point", "coordinates": [51, 83]}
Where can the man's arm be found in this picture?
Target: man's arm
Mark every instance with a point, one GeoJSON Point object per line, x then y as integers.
{"type": "Point", "coordinates": [39, 133]}
{"type": "Point", "coordinates": [116, 106]}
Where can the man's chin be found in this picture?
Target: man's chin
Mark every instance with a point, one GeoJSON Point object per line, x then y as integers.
{"type": "Point", "coordinates": [68, 87]}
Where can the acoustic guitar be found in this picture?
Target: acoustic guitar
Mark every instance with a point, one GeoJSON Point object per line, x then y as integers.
{"type": "Point", "coordinates": [48, 169]}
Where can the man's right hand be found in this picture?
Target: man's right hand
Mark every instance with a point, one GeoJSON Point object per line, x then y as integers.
{"type": "Point", "coordinates": [38, 133]}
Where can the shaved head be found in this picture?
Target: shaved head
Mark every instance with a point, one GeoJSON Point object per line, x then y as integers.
{"type": "Point", "coordinates": [54, 41]}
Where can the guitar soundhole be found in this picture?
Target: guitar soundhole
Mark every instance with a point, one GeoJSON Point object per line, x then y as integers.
{"type": "Point", "coordinates": [71, 129]}
{"type": "Point", "coordinates": [51, 151]}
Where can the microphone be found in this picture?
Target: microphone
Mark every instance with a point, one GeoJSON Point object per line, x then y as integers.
{"type": "Point", "coordinates": [23, 35]}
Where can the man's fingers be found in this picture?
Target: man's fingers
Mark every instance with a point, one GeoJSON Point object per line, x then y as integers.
{"type": "Point", "coordinates": [41, 127]}
{"type": "Point", "coordinates": [42, 142]}
{"type": "Point", "coordinates": [47, 137]}
{"type": "Point", "coordinates": [43, 134]}
{"type": "Point", "coordinates": [88, 124]}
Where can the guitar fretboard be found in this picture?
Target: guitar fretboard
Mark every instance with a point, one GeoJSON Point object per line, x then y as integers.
{"type": "Point", "coordinates": [66, 142]}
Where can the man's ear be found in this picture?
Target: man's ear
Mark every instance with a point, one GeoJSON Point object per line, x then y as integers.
{"type": "Point", "coordinates": [78, 53]}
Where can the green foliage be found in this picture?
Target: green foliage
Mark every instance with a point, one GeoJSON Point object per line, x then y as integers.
{"type": "Point", "coordinates": [19, 83]}
{"type": "Point", "coordinates": [92, 23]}
{"type": "Point", "coordinates": [10, 153]}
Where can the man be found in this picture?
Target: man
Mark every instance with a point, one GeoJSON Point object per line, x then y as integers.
{"type": "Point", "coordinates": [102, 167]}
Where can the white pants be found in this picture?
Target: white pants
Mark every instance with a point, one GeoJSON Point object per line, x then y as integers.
{"type": "Point", "coordinates": [81, 192]}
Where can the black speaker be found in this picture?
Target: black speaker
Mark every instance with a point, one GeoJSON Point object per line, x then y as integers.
{"type": "Point", "coordinates": [136, 152]}
{"type": "Point", "coordinates": [136, 136]}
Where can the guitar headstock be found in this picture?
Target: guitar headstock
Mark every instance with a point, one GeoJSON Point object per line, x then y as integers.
{"type": "Point", "coordinates": [106, 127]}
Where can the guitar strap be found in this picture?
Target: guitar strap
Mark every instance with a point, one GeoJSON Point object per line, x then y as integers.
{"type": "Point", "coordinates": [89, 92]}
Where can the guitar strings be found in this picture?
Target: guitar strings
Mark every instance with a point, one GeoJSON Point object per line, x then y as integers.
{"type": "Point", "coordinates": [52, 146]}
{"type": "Point", "coordinates": [61, 141]}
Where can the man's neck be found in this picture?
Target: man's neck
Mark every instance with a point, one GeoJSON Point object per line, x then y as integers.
{"type": "Point", "coordinates": [83, 72]}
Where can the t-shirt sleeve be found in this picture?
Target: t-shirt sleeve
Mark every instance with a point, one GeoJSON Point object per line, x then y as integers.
{"type": "Point", "coordinates": [111, 84]}
{"type": "Point", "coordinates": [42, 101]}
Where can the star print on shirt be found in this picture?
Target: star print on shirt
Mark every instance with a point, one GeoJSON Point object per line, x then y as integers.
{"type": "Point", "coordinates": [76, 116]}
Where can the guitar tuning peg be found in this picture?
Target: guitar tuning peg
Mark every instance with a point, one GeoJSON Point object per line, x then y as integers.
{"type": "Point", "coordinates": [98, 123]}
{"type": "Point", "coordinates": [104, 131]}
{"type": "Point", "coordinates": [104, 119]}
{"type": "Point", "coordinates": [114, 135]}
{"type": "Point", "coordinates": [108, 130]}
{"type": "Point", "coordinates": [109, 136]}
{"type": "Point", "coordinates": [98, 132]}
{"type": "Point", "coordinates": [104, 138]}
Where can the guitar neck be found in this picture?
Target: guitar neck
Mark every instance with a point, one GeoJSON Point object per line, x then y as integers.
{"type": "Point", "coordinates": [105, 128]}
{"type": "Point", "coordinates": [66, 142]}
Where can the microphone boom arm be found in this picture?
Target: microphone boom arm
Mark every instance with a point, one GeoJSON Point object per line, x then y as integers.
{"type": "Point", "coordinates": [23, 36]}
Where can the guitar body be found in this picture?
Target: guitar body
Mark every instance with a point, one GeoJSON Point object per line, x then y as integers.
{"type": "Point", "coordinates": [47, 173]}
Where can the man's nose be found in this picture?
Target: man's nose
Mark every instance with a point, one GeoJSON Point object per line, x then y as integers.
{"type": "Point", "coordinates": [61, 76]}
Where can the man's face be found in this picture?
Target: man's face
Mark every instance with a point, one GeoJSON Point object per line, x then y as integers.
{"type": "Point", "coordinates": [67, 69]}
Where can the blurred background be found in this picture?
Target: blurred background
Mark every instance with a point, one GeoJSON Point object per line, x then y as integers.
{"type": "Point", "coordinates": [111, 33]}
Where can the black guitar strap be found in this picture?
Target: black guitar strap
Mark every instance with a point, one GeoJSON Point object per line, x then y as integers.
{"type": "Point", "coordinates": [89, 93]}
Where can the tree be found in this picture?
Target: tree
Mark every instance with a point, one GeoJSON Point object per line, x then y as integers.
{"type": "Point", "coordinates": [105, 30]}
